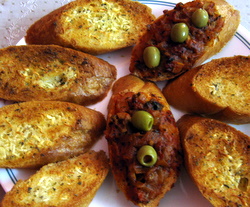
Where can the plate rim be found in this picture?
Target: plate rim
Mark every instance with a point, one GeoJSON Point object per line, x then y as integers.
{"type": "Point", "coordinates": [242, 34]}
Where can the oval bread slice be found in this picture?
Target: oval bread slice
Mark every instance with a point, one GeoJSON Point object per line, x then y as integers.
{"type": "Point", "coordinates": [219, 89]}
{"type": "Point", "coordinates": [92, 26]}
{"type": "Point", "coordinates": [201, 44]}
{"type": "Point", "coordinates": [49, 72]}
{"type": "Point", "coordinates": [36, 133]}
{"type": "Point", "coordinates": [73, 182]}
{"type": "Point", "coordinates": [144, 186]}
{"type": "Point", "coordinates": [217, 157]}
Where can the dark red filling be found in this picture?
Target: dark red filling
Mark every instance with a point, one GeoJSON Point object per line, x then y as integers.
{"type": "Point", "coordinates": [176, 58]}
{"type": "Point", "coordinates": [143, 183]}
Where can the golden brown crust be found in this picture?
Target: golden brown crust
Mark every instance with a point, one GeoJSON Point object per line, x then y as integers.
{"type": "Point", "coordinates": [217, 159]}
{"type": "Point", "coordinates": [202, 43]}
{"type": "Point", "coordinates": [231, 23]}
{"type": "Point", "coordinates": [123, 156]}
{"type": "Point", "coordinates": [36, 133]}
{"type": "Point", "coordinates": [73, 182]}
{"type": "Point", "coordinates": [94, 27]}
{"type": "Point", "coordinates": [219, 89]}
{"type": "Point", "coordinates": [131, 83]}
{"type": "Point", "coordinates": [49, 72]}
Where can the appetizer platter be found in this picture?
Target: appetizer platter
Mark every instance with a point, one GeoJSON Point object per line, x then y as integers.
{"type": "Point", "coordinates": [184, 192]}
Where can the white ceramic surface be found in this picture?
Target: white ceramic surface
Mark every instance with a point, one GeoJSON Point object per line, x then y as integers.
{"type": "Point", "coordinates": [184, 193]}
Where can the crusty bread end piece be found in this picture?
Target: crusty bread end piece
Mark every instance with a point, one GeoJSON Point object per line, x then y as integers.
{"type": "Point", "coordinates": [219, 89]}
{"type": "Point", "coordinates": [73, 182]}
{"type": "Point", "coordinates": [217, 158]}
{"type": "Point", "coordinates": [92, 26]}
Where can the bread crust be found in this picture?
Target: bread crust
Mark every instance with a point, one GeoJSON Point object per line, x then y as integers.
{"type": "Point", "coordinates": [73, 182]}
{"type": "Point", "coordinates": [95, 27]}
{"type": "Point", "coordinates": [131, 83]}
{"type": "Point", "coordinates": [33, 134]}
{"type": "Point", "coordinates": [217, 89]}
{"type": "Point", "coordinates": [201, 44]}
{"type": "Point", "coordinates": [54, 73]}
{"type": "Point", "coordinates": [124, 141]}
{"type": "Point", "coordinates": [231, 22]}
{"type": "Point", "coordinates": [217, 159]}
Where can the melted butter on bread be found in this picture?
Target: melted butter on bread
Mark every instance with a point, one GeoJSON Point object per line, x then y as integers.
{"type": "Point", "coordinates": [217, 159]}
{"type": "Point", "coordinates": [228, 173]}
{"type": "Point", "coordinates": [19, 137]}
{"type": "Point", "coordinates": [72, 182]}
{"type": "Point", "coordinates": [36, 133]}
{"type": "Point", "coordinates": [49, 80]}
{"type": "Point", "coordinates": [93, 26]}
{"type": "Point", "coordinates": [106, 17]}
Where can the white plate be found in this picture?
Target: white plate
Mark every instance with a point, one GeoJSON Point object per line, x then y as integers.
{"type": "Point", "coordinates": [184, 193]}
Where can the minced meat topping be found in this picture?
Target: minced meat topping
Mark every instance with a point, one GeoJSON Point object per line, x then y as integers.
{"type": "Point", "coordinates": [143, 183]}
{"type": "Point", "coordinates": [176, 58]}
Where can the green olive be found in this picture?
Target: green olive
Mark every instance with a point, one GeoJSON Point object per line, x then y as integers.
{"type": "Point", "coordinates": [179, 32]}
{"type": "Point", "coordinates": [142, 120]}
{"type": "Point", "coordinates": [200, 18]}
{"type": "Point", "coordinates": [151, 56]}
{"type": "Point", "coordinates": [147, 156]}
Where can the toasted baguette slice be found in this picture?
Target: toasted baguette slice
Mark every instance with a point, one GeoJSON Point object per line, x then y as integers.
{"type": "Point", "coordinates": [217, 157]}
{"type": "Point", "coordinates": [49, 72]}
{"type": "Point", "coordinates": [36, 133]}
{"type": "Point", "coordinates": [144, 186]}
{"type": "Point", "coordinates": [73, 182]}
{"type": "Point", "coordinates": [219, 89]}
{"type": "Point", "coordinates": [92, 26]}
{"type": "Point", "coordinates": [201, 43]}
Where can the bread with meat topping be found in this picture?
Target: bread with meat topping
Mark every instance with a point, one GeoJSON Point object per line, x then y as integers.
{"type": "Point", "coordinates": [92, 26]}
{"type": "Point", "coordinates": [217, 158]}
{"type": "Point", "coordinates": [219, 89]}
{"type": "Point", "coordinates": [35, 133]}
{"type": "Point", "coordinates": [53, 73]}
{"type": "Point", "coordinates": [73, 182]}
{"type": "Point", "coordinates": [143, 185]}
{"type": "Point", "coordinates": [201, 43]}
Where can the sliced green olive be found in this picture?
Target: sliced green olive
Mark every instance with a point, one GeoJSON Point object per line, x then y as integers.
{"type": "Point", "coordinates": [142, 120]}
{"type": "Point", "coordinates": [151, 56]}
{"type": "Point", "coordinates": [200, 18]}
{"type": "Point", "coordinates": [147, 156]}
{"type": "Point", "coordinates": [179, 32]}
